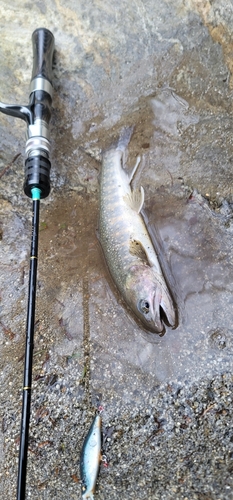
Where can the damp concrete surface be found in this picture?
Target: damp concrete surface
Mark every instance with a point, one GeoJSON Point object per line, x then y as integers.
{"type": "Point", "coordinates": [164, 68]}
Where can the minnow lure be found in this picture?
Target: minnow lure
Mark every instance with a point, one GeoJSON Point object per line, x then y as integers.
{"type": "Point", "coordinates": [90, 459]}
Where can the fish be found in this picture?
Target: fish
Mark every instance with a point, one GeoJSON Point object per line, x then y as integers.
{"type": "Point", "coordinates": [128, 250]}
{"type": "Point", "coordinates": [90, 459]}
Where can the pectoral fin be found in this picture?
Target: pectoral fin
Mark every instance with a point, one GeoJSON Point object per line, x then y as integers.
{"type": "Point", "coordinates": [135, 199]}
{"type": "Point", "coordinates": [136, 249]}
{"type": "Point", "coordinates": [147, 255]}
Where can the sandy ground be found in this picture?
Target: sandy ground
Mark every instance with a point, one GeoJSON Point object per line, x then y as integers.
{"type": "Point", "coordinates": [166, 69]}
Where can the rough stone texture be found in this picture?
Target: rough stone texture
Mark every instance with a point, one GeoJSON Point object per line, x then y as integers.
{"type": "Point", "coordinates": [166, 68]}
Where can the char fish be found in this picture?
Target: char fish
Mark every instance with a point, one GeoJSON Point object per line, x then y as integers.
{"type": "Point", "coordinates": [90, 459]}
{"type": "Point", "coordinates": [127, 246]}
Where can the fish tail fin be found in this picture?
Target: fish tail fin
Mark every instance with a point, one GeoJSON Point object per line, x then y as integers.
{"type": "Point", "coordinates": [124, 138]}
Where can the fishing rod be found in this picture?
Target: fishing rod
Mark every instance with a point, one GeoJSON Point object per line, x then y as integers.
{"type": "Point", "coordinates": [37, 115]}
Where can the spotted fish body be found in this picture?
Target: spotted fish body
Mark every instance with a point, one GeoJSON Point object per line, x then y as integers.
{"type": "Point", "coordinates": [127, 246]}
{"type": "Point", "coordinates": [90, 459]}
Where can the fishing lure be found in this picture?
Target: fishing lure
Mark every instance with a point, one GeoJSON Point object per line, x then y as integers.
{"type": "Point", "coordinates": [90, 459]}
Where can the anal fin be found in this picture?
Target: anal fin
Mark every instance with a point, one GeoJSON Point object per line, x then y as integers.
{"type": "Point", "coordinates": [134, 170]}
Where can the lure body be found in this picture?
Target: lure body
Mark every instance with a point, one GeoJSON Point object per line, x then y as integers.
{"type": "Point", "coordinates": [90, 459]}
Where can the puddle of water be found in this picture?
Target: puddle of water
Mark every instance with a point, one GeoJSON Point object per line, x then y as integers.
{"type": "Point", "coordinates": [121, 357]}
{"type": "Point", "coordinates": [171, 113]}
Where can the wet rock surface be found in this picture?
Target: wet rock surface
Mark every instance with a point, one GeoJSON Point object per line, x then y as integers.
{"type": "Point", "coordinates": [166, 69]}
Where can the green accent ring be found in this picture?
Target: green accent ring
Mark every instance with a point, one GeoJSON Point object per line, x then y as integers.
{"type": "Point", "coordinates": [36, 192]}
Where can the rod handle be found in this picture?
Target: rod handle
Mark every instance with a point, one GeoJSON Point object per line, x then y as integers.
{"type": "Point", "coordinates": [43, 48]}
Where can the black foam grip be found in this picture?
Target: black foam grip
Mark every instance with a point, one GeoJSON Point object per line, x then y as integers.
{"type": "Point", "coordinates": [43, 48]}
{"type": "Point", "coordinates": [37, 170]}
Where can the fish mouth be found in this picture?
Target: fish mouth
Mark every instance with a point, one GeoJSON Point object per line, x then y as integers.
{"type": "Point", "coordinates": [158, 315]}
{"type": "Point", "coordinates": [163, 312]}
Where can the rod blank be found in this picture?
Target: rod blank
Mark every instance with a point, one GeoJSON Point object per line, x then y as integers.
{"type": "Point", "coordinates": [24, 433]}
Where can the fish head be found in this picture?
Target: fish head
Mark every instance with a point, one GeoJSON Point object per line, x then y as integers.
{"type": "Point", "coordinates": [146, 293]}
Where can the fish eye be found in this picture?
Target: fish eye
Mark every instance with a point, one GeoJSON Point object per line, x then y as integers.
{"type": "Point", "coordinates": [144, 306]}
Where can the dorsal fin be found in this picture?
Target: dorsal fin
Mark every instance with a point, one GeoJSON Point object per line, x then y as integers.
{"type": "Point", "coordinates": [135, 199]}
